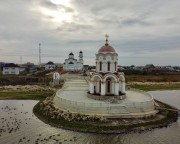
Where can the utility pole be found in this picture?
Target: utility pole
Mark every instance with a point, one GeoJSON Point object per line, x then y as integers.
{"type": "Point", "coordinates": [39, 54]}
{"type": "Point", "coordinates": [20, 60]}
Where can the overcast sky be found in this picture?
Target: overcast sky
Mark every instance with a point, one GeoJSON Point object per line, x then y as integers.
{"type": "Point", "coordinates": [141, 31]}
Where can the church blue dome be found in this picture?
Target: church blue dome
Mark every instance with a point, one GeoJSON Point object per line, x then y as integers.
{"type": "Point", "coordinates": [71, 53]}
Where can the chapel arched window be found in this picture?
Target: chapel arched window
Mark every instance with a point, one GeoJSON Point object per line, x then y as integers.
{"type": "Point", "coordinates": [100, 66]}
{"type": "Point", "coordinates": [115, 65]}
{"type": "Point", "coordinates": [108, 66]}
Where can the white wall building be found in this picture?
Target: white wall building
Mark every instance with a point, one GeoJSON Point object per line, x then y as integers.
{"type": "Point", "coordinates": [11, 68]}
{"type": "Point", "coordinates": [106, 81]}
{"type": "Point", "coordinates": [72, 64]}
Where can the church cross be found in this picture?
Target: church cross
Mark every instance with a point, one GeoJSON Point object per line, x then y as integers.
{"type": "Point", "coordinates": [106, 39]}
{"type": "Point", "coordinates": [106, 36]}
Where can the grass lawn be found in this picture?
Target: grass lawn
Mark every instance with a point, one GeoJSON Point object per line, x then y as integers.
{"type": "Point", "coordinates": [25, 95]}
{"type": "Point", "coordinates": [156, 87]}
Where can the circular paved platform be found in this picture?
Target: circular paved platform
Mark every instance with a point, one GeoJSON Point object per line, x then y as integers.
{"type": "Point", "coordinates": [73, 97]}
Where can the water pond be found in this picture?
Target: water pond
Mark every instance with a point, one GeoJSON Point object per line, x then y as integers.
{"type": "Point", "coordinates": [19, 125]}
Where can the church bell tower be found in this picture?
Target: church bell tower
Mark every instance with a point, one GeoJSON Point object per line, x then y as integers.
{"type": "Point", "coordinates": [81, 57]}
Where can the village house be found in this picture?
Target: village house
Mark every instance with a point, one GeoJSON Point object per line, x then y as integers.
{"type": "Point", "coordinates": [10, 68]}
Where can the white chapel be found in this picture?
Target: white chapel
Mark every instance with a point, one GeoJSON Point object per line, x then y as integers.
{"type": "Point", "coordinates": [106, 81]}
{"type": "Point", "coordinates": [72, 64]}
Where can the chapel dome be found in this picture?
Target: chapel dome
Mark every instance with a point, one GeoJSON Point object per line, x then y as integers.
{"type": "Point", "coordinates": [106, 48]}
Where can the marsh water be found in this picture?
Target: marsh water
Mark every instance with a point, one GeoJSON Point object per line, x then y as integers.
{"type": "Point", "coordinates": [19, 125]}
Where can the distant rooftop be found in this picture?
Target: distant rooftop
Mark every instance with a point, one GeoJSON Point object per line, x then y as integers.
{"type": "Point", "coordinates": [50, 63]}
{"type": "Point", "coordinates": [10, 65]}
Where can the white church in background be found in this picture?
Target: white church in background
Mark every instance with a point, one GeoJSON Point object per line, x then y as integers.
{"type": "Point", "coordinates": [72, 64]}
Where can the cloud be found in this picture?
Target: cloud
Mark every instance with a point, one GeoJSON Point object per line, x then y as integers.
{"type": "Point", "coordinates": [131, 22]}
{"type": "Point", "coordinates": [141, 31]}
{"type": "Point", "coordinates": [52, 6]}
{"type": "Point", "coordinates": [71, 27]}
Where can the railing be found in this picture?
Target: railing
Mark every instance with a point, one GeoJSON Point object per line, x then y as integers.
{"type": "Point", "coordinates": [104, 107]}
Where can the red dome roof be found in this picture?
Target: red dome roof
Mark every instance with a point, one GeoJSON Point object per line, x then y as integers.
{"type": "Point", "coordinates": [106, 48]}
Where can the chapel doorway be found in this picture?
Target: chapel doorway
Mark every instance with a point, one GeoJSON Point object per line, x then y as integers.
{"type": "Point", "coordinates": [108, 86]}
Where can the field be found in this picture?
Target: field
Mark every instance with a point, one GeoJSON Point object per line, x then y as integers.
{"type": "Point", "coordinates": [143, 82]}
{"type": "Point", "coordinates": [153, 78]}
{"type": "Point", "coordinates": [25, 95]}
{"type": "Point", "coordinates": [152, 87]}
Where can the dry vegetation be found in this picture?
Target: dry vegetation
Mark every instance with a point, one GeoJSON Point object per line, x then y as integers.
{"type": "Point", "coordinates": [25, 92]}
{"type": "Point", "coordinates": [154, 78]}
{"type": "Point", "coordinates": [26, 88]}
{"type": "Point", "coordinates": [47, 108]}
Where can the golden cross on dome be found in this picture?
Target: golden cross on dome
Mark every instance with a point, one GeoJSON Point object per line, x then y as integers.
{"type": "Point", "coordinates": [106, 36]}
{"type": "Point", "coordinates": [106, 39]}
